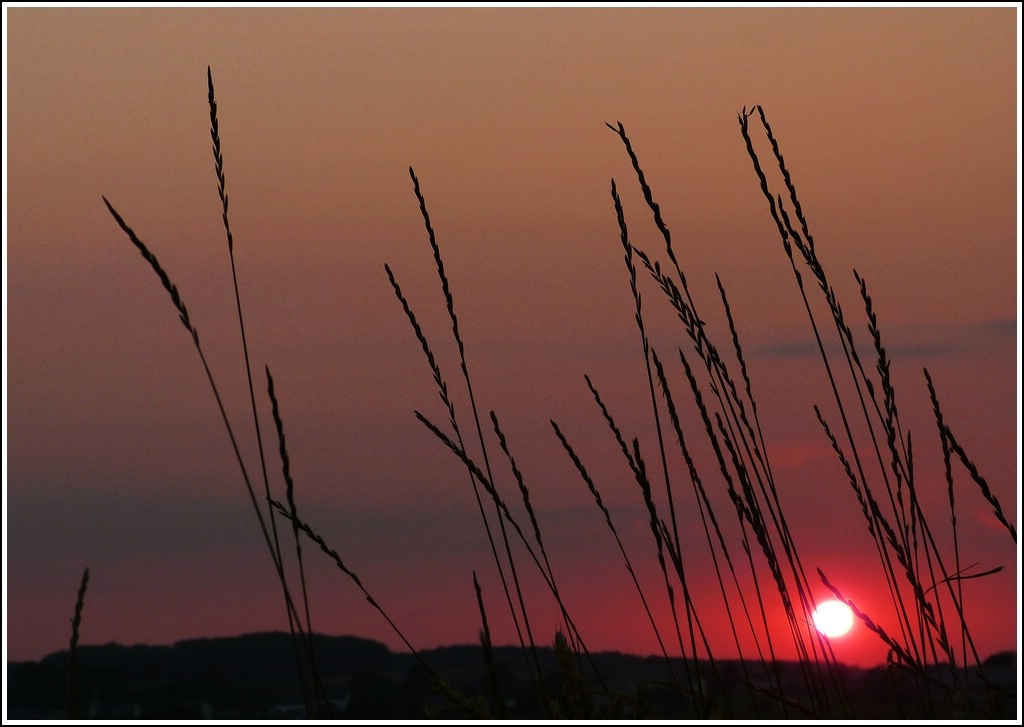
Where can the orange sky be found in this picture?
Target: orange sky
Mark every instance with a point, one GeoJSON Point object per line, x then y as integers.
{"type": "Point", "coordinates": [899, 125]}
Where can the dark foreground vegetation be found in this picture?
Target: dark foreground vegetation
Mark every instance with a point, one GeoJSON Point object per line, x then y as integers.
{"type": "Point", "coordinates": [252, 677]}
{"type": "Point", "coordinates": [708, 455]}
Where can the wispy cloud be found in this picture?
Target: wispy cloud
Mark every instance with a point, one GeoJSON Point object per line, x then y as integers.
{"type": "Point", "coordinates": [911, 341]}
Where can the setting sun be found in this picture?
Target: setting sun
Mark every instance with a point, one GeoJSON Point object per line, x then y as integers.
{"type": "Point", "coordinates": [833, 618]}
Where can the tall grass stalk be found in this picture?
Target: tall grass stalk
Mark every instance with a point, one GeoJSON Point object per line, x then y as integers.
{"type": "Point", "coordinates": [457, 446]}
{"type": "Point", "coordinates": [293, 627]}
{"type": "Point", "coordinates": [493, 682]}
{"type": "Point", "coordinates": [76, 625]}
{"type": "Point", "coordinates": [522, 611]}
{"type": "Point", "coordinates": [313, 695]}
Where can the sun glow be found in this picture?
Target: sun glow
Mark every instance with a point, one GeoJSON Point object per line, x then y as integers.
{"type": "Point", "coordinates": [833, 618]}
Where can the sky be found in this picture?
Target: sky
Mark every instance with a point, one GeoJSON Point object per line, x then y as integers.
{"type": "Point", "coordinates": [899, 126]}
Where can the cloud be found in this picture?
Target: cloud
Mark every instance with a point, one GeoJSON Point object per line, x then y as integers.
{"type": "Point", "coordinates": [917, 341]}
{"type": "Point", "coordinates": [94, 524]}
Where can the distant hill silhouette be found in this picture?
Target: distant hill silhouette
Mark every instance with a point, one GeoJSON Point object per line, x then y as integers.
{"type": "Point", "coordinates": [255, 677]}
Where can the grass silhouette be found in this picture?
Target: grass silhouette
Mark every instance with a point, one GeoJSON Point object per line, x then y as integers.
{"type": "Point", "coordinates": [757, 562]}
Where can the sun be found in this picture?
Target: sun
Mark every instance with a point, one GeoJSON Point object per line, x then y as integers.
{"type": "Point", "coordinates": [833, 618]}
